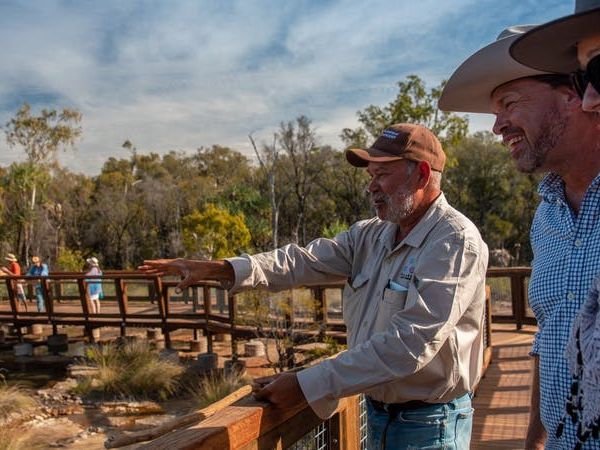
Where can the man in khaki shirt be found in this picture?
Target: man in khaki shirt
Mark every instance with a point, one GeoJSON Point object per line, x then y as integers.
{"type": "Point", "coordinates": [413, 303]}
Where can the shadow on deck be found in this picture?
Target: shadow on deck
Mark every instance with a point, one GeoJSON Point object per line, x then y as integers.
{"type": "Point", "coordinates": [502, 400]}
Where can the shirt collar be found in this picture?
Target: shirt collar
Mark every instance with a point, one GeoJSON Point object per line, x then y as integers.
{"type": "Point", "coordinates": [552, 187]}
{"type": "Point", "coordinates": [417, 235]}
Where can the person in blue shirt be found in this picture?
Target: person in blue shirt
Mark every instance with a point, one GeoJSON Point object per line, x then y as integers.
{"type": "Point", "coordinates": [94, 286]}
{"type": "Point", "coordinates": [542, 124]}
{"type": "Point", "coordinates": [38, 269]}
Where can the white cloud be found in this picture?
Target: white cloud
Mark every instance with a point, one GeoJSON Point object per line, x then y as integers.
{"type": "Point", "coordinates": [184, 74]}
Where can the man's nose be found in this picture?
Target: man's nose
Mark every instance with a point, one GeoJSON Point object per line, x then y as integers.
{"type": "Point", "coordinates": [372, 186]}
{"type": "Point", "coordinates": [499, 124]}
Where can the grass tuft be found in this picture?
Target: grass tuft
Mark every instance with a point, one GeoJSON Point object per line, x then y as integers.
{"type": "Point", "coordinates": [214, 386]}
{"type": "Point", "coordinates": [131, 370]}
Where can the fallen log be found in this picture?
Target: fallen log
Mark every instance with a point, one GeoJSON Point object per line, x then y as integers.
{"type": "Point", "coordinates": [180, 422]}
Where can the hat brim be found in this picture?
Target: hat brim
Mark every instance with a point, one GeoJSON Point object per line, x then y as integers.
{"type": "Point", "coordinates": [552, 46]}
{"type": "Point", "coordinates": [10, 259]}
{"type": "Point", "coordinates": [359, 157]}
{"type": "Point", "coordinates": [470, 87]}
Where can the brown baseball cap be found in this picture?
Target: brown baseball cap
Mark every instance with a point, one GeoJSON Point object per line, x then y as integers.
{"type": "Point", "coordinates": [401, 141]}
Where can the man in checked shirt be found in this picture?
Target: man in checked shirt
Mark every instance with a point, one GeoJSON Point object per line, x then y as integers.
{"type": "Point", "coordinates": [541, 121]}
{"type": "Point", "coordinates": [413, 303]}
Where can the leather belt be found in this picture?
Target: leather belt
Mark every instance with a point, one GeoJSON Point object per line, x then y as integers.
{"type": "Point", "coordinates": [395, 408]}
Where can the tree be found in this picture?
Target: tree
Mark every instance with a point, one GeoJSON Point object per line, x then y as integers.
{"type": "Point", "coordinates": [41, 137]}
{"type": "Point", "coordinates": [214, 233]}
{"type": "Point", "coordinates": [268, 159]}
{"type": "Point", "coordinates": [298, 142]}
{"type": "Point", "coordinates": [485, 185]}
{"type": "Point", "coordinates": [413, 104]}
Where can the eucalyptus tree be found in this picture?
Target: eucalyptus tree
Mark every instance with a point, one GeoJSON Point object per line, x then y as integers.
{"type": "Point", "coordinates": [41, 137]}
{"type": "Point", "coordinates": [413, 104]}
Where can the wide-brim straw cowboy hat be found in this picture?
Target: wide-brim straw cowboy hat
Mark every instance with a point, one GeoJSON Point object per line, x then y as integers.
{"type": "Point", "coordinates": [552, 46]}
{"type": "Point", "coordinates": [10, 257]}
{"type": "Point", "coordinates": [470, 87]}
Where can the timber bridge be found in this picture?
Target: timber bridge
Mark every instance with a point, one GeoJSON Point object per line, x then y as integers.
{"type": "Point", "coordinates": [138, 300]}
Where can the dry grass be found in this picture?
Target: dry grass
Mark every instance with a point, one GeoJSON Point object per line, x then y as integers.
{"type": "Point", "coordinates": [132, 370]}
{"type": "Point", "coordinates": [214, 386]}
{"type": "Point", "coordinates": [11, 439]}
{"type": "Point", "coordinates": [15, 399]}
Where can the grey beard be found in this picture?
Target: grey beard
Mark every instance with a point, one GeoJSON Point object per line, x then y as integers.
{"type": "Point", "coordinates": [403, 207]}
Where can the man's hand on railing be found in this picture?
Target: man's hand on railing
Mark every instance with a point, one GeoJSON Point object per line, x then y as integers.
{"type": "Point", "coordinates": [282, 390]}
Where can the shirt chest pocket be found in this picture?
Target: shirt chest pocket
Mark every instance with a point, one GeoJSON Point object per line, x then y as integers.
{"type": "Point", "coordinates": [393, 301]}
{"type": "Point", "coordinates": [395, 298]}
{"type": "Point", "coordinates": [354, 293]}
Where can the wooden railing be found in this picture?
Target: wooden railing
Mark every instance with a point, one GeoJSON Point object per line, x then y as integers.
{"type": "Point", "coordinates": [517, 286]}
{"type": "Point", "coordinates": [249, 424]}
{"type": "Point", "coordinates": [204, 307]}
{"type": "Point", "coordinates": [246, 424]}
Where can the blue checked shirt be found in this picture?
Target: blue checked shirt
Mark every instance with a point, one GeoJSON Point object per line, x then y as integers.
{"type": "Point", "coordinates": [566, 259]}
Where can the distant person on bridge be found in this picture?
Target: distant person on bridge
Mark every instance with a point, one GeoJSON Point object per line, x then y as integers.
{"type": "Point", "coordinates": [14, 269]}
{"type": "Point", "coordinates": [94, 285]}
{"type": "Point", "coordinates": [413, 303]}
{"type": "Point", "coordinates": [38, 269]}
{"type": "Point", "coordinates": [541, 121]}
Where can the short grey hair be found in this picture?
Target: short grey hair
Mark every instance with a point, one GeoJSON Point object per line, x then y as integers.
{"type": "Point", "coordinates": [436, 179]}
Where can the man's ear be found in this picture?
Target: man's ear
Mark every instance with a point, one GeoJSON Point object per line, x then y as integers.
{"type": "Point", "coordinates": [572, 99]}
{"type": "Point", "coordinates": [424, 174]}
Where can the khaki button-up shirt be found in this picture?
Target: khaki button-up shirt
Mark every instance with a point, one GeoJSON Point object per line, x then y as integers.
{"type": "Point", "coordinates": [413, 311]}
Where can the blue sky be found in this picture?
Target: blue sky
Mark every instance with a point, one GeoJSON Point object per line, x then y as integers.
{"type": "Point", "coordinates": [178, 75]}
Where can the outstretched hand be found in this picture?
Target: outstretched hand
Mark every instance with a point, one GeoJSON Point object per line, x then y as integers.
{"type": "Point", "coordinates": [190, 271]}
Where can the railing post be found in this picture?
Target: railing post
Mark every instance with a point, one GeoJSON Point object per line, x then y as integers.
{"type": "Point", "coordinates": [157, 289]}
{"type": "Point", "coordinates": [84, 297]}
{"type": "Point", "coordinates": [206, 294]}
{"type": "Point", "coordinates": [12, 298]}
{"type": "Point", "coordinates": [231, 304]}
{"type": "Point", "coordinates": [320, 310]}
{"type": "Point", "coordinates": [518, 298]}
{"type": "Point", "coordinates": [121, 292]}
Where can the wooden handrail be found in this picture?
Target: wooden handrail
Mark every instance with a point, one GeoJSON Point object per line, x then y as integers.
{"type": "Point", "coordinates": [252, 424]}
{"type": "Point", "coordinates": [168, 317]}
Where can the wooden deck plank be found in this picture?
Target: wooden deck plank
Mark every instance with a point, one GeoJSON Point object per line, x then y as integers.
{"type": "Point", "coordinates": [502, 401]}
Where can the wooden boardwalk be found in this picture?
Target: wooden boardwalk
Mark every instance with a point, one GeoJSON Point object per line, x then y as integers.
{"type": "Point", "coordinates": [502, 401]}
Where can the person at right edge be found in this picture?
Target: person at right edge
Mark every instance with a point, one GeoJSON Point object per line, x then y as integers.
{"type": "Point", "coordinates": [540, 118]}
{"type": "Point", "coordinates": [571, 45]}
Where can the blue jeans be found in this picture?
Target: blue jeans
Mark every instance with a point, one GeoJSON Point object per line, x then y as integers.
{"type": "Point", "coordinates": [439, 426]}
{"type": "Point", "coordinates": [41, 307]}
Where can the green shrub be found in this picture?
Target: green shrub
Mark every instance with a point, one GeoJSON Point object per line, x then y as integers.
{"type": "Point", "coordinates": [131, 370]}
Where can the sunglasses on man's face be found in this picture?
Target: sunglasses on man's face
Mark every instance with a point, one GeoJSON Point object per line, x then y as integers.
{"type": "Point", "coordinates": [591, 75]}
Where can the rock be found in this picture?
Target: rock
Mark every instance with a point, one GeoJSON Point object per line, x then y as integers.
{"type": "Point", "coordinates": [197, 345]}
{"type": "Point", "coordinates": [254, 348]}
{"type": "Point", "coordinates": [169, 354]}
{"type": "Point", "coordinates": [153, 334]}
{"type": "Point", "coordinates": [23, 349]}
{"type": "Point", "coordinates": [208, 361]}
{"type": "Point", "coordinates": [58, 343]}
{"type": "Point", "coordinates": [234, 367]}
